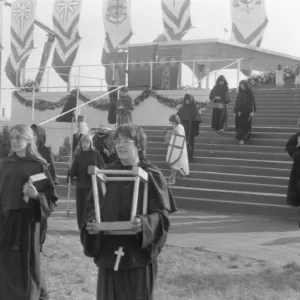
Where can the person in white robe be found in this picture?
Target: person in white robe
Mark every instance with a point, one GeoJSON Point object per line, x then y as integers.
{"type": "Point", "coordinates": [279, 76]}
{"type": "Point", "coordinates": [177, 155]}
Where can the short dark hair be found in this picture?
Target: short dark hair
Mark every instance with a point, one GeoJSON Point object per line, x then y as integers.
{"type": "Point", "coordinates": [222, 77]}
{"type": "Point", "coordinates": [134, 132]}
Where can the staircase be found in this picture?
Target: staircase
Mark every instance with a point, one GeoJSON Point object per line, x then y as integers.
{"type": "Point", "coordinates": [227, 177]}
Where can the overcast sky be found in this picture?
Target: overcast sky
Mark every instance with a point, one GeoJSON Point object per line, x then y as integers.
{"type": "Point", "coordinates": [208, 16]}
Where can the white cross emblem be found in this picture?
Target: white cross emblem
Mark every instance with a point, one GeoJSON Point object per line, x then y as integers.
{"type": "Point", "coordinates": [119, 254]}
{"type": "Point", "coordinates": [66, 8]}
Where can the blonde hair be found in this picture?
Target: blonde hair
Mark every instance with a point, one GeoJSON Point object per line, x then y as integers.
{"type": "Point", "coordinates": [85, 138]}
{"type": "Point", "coordinates": [27, 133]}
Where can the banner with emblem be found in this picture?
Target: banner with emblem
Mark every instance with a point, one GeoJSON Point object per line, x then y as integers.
{"type": "Point", "coordinates": [117, 25]}
{"type": "Point", "coordinates": [176, 19]}
{"type": "Point", "coordinates": [117, 22]}
{"type": "Point", "coordinates": [22, 34]}
{"type": "Point", "coordinates": [249, 21]}
{"type": "Point", "coordinates": [66, 16]}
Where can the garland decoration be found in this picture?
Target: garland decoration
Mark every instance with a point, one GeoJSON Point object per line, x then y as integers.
{"type": "Point", "coordinates": [101, 104]}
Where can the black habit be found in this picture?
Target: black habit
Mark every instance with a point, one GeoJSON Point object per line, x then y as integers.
{"type": "Point", "coordinates": [219, 115]}
{"type": "Point", "coordinates": [138, 267]}
{"type": "Point", "coordinates": [20, 227]}
{"type": "Point", "coordinates": [79, 169]}
{"type": "Point", "coordinates": [190, 119]}
{"type": "Point", "coordinates": [112, 110]}
{"type": "Point", "coordinates": [293, 193]}
{"type": "Point", "coordinates": [245, 104]}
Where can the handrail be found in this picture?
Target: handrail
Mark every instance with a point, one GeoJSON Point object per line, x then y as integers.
{"type": "Point", "coordinates": [146, 62]}
{"type": "Point", "coordinates": [79, 106]}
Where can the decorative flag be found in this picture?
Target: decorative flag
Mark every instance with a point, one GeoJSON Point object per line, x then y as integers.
{"type": "Point", "coordinates": [117, 25]}
{"type": "Point", "coordinates": [249, 21]}
{"type": "Point", "coordinates": [22, 29]}
{"type": "Point", "coordinates": [117, 22]}
{"type": "Point", "coordinates": [66, 16]}
{"type": "Point", "coordinates": [176, 20]}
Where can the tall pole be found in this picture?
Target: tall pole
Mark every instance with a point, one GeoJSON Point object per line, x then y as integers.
{"type": "Point", "coordinates": [1, 18]}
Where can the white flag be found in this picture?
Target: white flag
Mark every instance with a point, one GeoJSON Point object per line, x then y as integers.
{"type": "Point", "coordinates": [249, 21]}
{"type": "Point", "coordinates": [117, 22]}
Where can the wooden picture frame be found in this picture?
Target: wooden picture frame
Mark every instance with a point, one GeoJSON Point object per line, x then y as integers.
{"type": "Point", "coordinates": [136, 174]}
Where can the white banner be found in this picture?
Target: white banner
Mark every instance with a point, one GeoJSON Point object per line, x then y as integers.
{"type": "Point", "coordinates": [66, 16]}
{"type": "Point", "coordinates": [117, 22]}
{"type": "Point", "coordinates": [22, 29]}
{"type": "Point", "coordinates": [249, 21]}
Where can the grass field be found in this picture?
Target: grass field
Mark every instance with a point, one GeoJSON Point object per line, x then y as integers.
{"type": "Point", "coordinates": [186, 274]}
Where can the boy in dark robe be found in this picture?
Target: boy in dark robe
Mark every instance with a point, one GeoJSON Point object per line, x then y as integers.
{"type": "Point", "coordinates": [137, 270]}
{"type": "Point", "coordinates": [293, 149]}
{"type": "Point", "coordinates": [20, 220]}
{"type": "Point", "coordinates": [190, 118]}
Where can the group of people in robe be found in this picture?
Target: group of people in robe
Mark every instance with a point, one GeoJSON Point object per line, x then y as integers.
{"type": "Point", "coordinates": [244, 108]}
{"type": "Point", "coordinates": [28, 197]}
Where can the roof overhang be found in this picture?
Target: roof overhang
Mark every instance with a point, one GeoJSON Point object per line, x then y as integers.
{"type": "Point", "coordinates": [215, 49]}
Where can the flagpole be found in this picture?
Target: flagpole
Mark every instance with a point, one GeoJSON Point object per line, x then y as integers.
{"type": "Point", "coordinates": [1, 23]}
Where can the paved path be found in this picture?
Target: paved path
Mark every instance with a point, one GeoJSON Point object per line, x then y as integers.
{"type": "Point", "coordinates": [258, 237]}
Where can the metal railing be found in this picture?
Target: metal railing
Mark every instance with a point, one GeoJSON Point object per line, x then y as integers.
{"type": "Point", "coordinates": [80, 74]}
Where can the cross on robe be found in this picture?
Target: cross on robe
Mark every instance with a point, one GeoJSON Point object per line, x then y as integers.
{"type": "Point", "coordinates": [119, 254]}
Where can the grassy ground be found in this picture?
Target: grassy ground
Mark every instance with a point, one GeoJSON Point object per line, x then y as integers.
{"type": "Point", "coordinates": [186, 274]}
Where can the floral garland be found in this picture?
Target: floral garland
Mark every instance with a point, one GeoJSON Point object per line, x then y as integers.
{"type": "Point", "coordinates": [270, 76]}
{"type": "Point", "coordinates": [43, 105]}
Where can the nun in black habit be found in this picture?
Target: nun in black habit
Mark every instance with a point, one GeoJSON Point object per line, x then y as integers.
{"type": "Point", "coordinates": [190, 119]}
{"type": "Point", "coordinates": [220, 95]}
{"type": "Point", "coordinates": [293, 149]}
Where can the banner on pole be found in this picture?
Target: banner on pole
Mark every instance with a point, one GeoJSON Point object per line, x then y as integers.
{"type": "Point", "coordinates": [22, 34]}
{"type": "Point", "coordinates": [176, 19]}
{"type": "Point", "coordinates": [249, 21]}
{"type": "Point", "coordinates": [66, 16]}
{"type": "Point", "coordinates": [117, 25]}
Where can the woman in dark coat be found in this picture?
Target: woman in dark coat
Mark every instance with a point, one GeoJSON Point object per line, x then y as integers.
{"type": "Point", "coordinates": [190, 119]}
{"type": "Point", "coordinates": [84, 157]}
{"type": "Point", "coordinates": [220, 95]}
{"type": "Point", "coordinates": [125, 106]}
{"type": "Point", "coordinates": [244, 111]}
{"type": "Point", "coordinates": [293, 149]}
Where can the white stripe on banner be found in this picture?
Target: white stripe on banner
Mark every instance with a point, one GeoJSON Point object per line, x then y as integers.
{"type": "Point", "coordinates": [66, 17]}
{"type": "Point", "coordinates": [177, 17]}
{"type": "Point", "coordinates": [117, 21]}
{"type": "Point", "coordinates": [249, 21]}
{"type": "Point", "coordinates": [22, 34]}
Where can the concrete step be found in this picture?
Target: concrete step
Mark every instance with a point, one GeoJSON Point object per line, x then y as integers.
{"type": "Point", "coordinates": [285, 165]}
{"type": "Point", "coordinates": [226, 147]}
{"type": "Point", "coordinates": [229, 169]}
{"type": "Point", "coordinates": [231, 141]}
{"type": "Point", "coordinates": [221, 153]}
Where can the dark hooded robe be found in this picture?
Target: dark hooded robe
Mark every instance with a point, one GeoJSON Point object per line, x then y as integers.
{"type": "Point", "coordinates": [79, 169]}
{"type": "Point", "coordinates": [293, 193]}
{"type": "Point", "coordinates": [190, 119]}
{"type": "Point", "coordinates": [138, 267]}
{"type": "Point", "coordinates": [20, 229]}
{"type": "Point", "coordinates": [112, 110]}
{"type": "Point", "coordinates": [124, 115]}
{"type": "Point", "coordinates": [219, 115]}
{"type": "Point", "coordinates": [245, 105]}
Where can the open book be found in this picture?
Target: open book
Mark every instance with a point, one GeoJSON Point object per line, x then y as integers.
{"type": "Point", "coordinates": [40, 181]}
